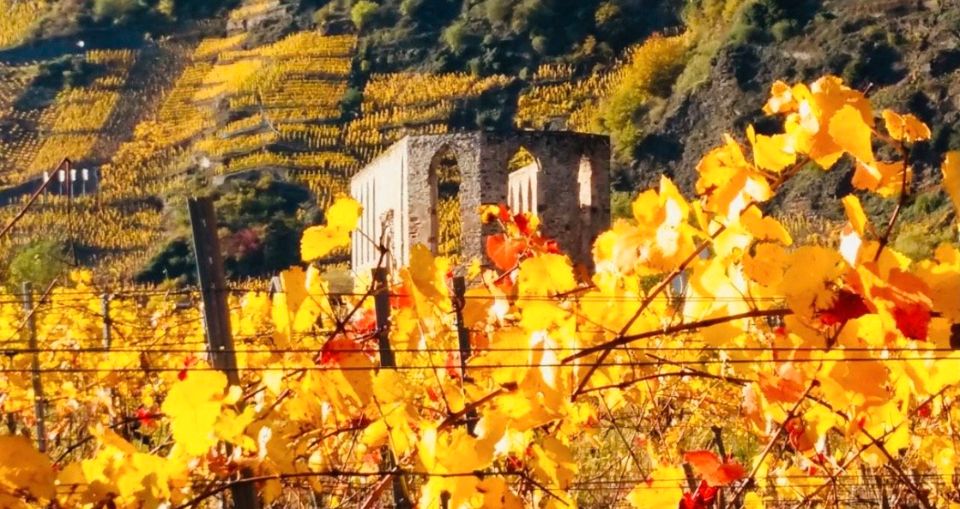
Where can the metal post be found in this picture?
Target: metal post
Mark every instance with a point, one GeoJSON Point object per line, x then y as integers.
{"type": "Point", "coordinates": [39, 402]}
{"type": "Point", "coordinates": [381, 301]}
{"type": "Point", "coordinates": [216, 314]}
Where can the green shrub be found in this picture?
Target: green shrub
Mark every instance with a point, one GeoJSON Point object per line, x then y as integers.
{"type": "Point", "coordinates": [259, 222]}
{"type": "Point", "coordinates": [362, 13]}
{"type": "Point", "coordinates": [410, 7]}
{"type": "Point", "coordinates": [498, 11]}
{"type": "Point", "coordinates": [116, 9]}
{"type": "Point", "coordinates": [350, 103]}
{"type": "Point", "coordinates": [38, 263]}
{"type": "Point", "coordinates": [454, 36]}
{"type": "Point", "coordinates": [540, 44]}
{"type": "Point", "coordinates": [650, 71]}
{"type": "Point", "coordinates": [621, 205]}
{"type": "Point", "coordinates": [784, 29]}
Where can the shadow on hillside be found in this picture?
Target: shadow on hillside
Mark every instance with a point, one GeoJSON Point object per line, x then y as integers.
{"type": "Point", "coordinates": [56, 47]}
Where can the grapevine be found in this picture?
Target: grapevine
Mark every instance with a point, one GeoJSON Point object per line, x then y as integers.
{"type": "Point", "coordinates": [708, 360]}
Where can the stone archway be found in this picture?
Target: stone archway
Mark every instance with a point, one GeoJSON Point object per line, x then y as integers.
{"type": "Point", "coordinates": [523, 170]}
{"type": "Point", "coordinates": [444, 178]}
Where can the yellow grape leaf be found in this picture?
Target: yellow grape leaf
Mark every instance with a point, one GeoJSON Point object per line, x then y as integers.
{"type": "Point", "coordinates": [318, 241]}
{"type": "Point", "coordinates": [24, 468]}
{"type": "Point", "coordinates": [546, 274]}
{"type": "Point", "coordinates": [810, 112]}
{"type": "Point", "coordinates": [905, 127]}
{"type": "Point", "coordinates": [342, 217]}
{"type": "Point", "coordinates": [272, 489]}
{"type": "Point", "coordinates": [193, 406]}
{"type": "Point", "coordinates": [663, 488]}
{"type": "Point", "coordinates": [781, 99]}
{"type": "Point", "coordinates": [230, 427]}
{"type": "Point", "coordinates": [136, 479]}
{"type": "Point", "coordinates": [764, 228]}
{"type": "Point", "coordinates": [951, 176]}
{"type": "Point", "coordinates": [273, 380]}
{"type": "Point", "coordinates": [478, 301]}
{"type": "Point", "coordinates": [344, 214]}
{"type": "Point", "coordinates": [309, 314]}
{"type": "Point", "coordinates": [753, 501]}
{"type": "Point", "coordinates": [767, 264]}
{"type": "Point", "coordinates": [851, 133]}
{"type": "Point", "coordinates": [942, 275]}
{"type": "Point", "coordinates": [554, 463]}
{"type": "Point", "coordinates": [809, 278]}
{"type": "Point", "coordinates": [428, 274]}
{"type": "Point", "coordinates": [855, 214]}
{"type": "Point", "coordinates": [772, 153]}
{"type": "Point", "coordinates": [885, 179]}
{"type": "Point", "coordinates": [497, 495]}
{"type": "Point", "coordinates": [729, 182]}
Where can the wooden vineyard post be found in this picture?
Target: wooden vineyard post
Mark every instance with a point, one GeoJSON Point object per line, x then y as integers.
{"type": "Point", "coordinates": [463, 340]}
{"type": "Point", "coordinates": [381, 301]}
{"type": "Point", "coordinates": [216, 314]}
{"type": "Point", "coordinates": [107, 323]}
{"type": "Point", "coordinates": [39, 403]}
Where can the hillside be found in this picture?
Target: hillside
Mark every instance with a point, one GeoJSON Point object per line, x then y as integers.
{"type": "Point", "coordinates": [160, 100]}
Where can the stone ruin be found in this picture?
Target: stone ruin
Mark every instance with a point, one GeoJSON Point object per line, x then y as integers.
{"type": "Point", "coordinates": [566, 182]}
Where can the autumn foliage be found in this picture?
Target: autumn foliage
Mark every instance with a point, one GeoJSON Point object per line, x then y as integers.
{"type": "Point", "coordinates": [708, 361]}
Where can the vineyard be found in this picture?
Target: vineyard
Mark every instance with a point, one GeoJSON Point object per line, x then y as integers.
{"type": "Point", "coordinates": [715, 354]}
{"type": "Point", "coordinates": [220, 106]}
{"type": "Point", "coordinates": [707, 361]}
{"type": "Point", "coordinates": [155, 121]}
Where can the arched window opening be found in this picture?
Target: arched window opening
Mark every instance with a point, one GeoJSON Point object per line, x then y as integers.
{"type": "Point", "coordinates": [523, 168]}
{"type": "Point", "coordinates": [444, 176]}
{"type": "Point", "coordinates": [585, 200]}
{"type": "Point", "coordinates": [585, 183]}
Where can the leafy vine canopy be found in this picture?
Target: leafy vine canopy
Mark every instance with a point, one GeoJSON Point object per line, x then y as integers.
{"type": "Point", "coordinates": [709, 360]}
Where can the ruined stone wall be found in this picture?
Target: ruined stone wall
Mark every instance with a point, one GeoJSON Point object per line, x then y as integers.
{"type": "Point", "coordinates": [382, 188]}
{"type": "Point", "coordinates": [568, 188]}
{"type": "Point", "coordinates": [521, 188]}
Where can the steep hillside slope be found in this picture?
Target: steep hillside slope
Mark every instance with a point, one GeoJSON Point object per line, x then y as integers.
{"type": "Point", "coordinates": [160, 100]}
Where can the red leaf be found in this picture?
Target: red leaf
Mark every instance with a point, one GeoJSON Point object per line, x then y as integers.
{"type": "Point", "coordinates": [366, 323]}
{"type": "Point", "coordinates": [522, 221]}
{"type": "Point", "coordinates": [690, 502]}
{"type": "Point", "coordinates": [335, 351]}
{"type": "Point", "coordinates": [701, 499]}
{"type": "Point", "coordinates": [504, 252]}
{"type": "Point", "coordinates": [913, 320]}
{"type": "Point", "coordinates": [504, 213]}
{"type": "Point", "coordinates": [846, 306]}
{"type": "Point", "coordinates": [144, 416]}
{"type": "Point", "coordinates": [798, 436]}
{"type": "Point", "coordinates": [706, 493]}
{"type": "Point", "coordinates": [188, 362]}
{"type": "Point", "coordinates": [402, 297]}
{"type": "Point", "coordinates": [714, 471]}
{"type": "Point", "coordinates": [453, 365]}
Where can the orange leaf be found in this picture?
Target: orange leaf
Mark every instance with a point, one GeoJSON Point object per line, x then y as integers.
{"type": "Point", "coordinates": [504, 252]}
{"type": "Point", "coordinates": [714, 471]}
{"type": "Point", "coordinates": [785, 385]}
{"type": "Point", "coordinates": [905, 127]}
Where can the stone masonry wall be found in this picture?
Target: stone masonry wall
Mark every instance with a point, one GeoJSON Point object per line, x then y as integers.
{"type": "Point", "coordinates": [571, 168]}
